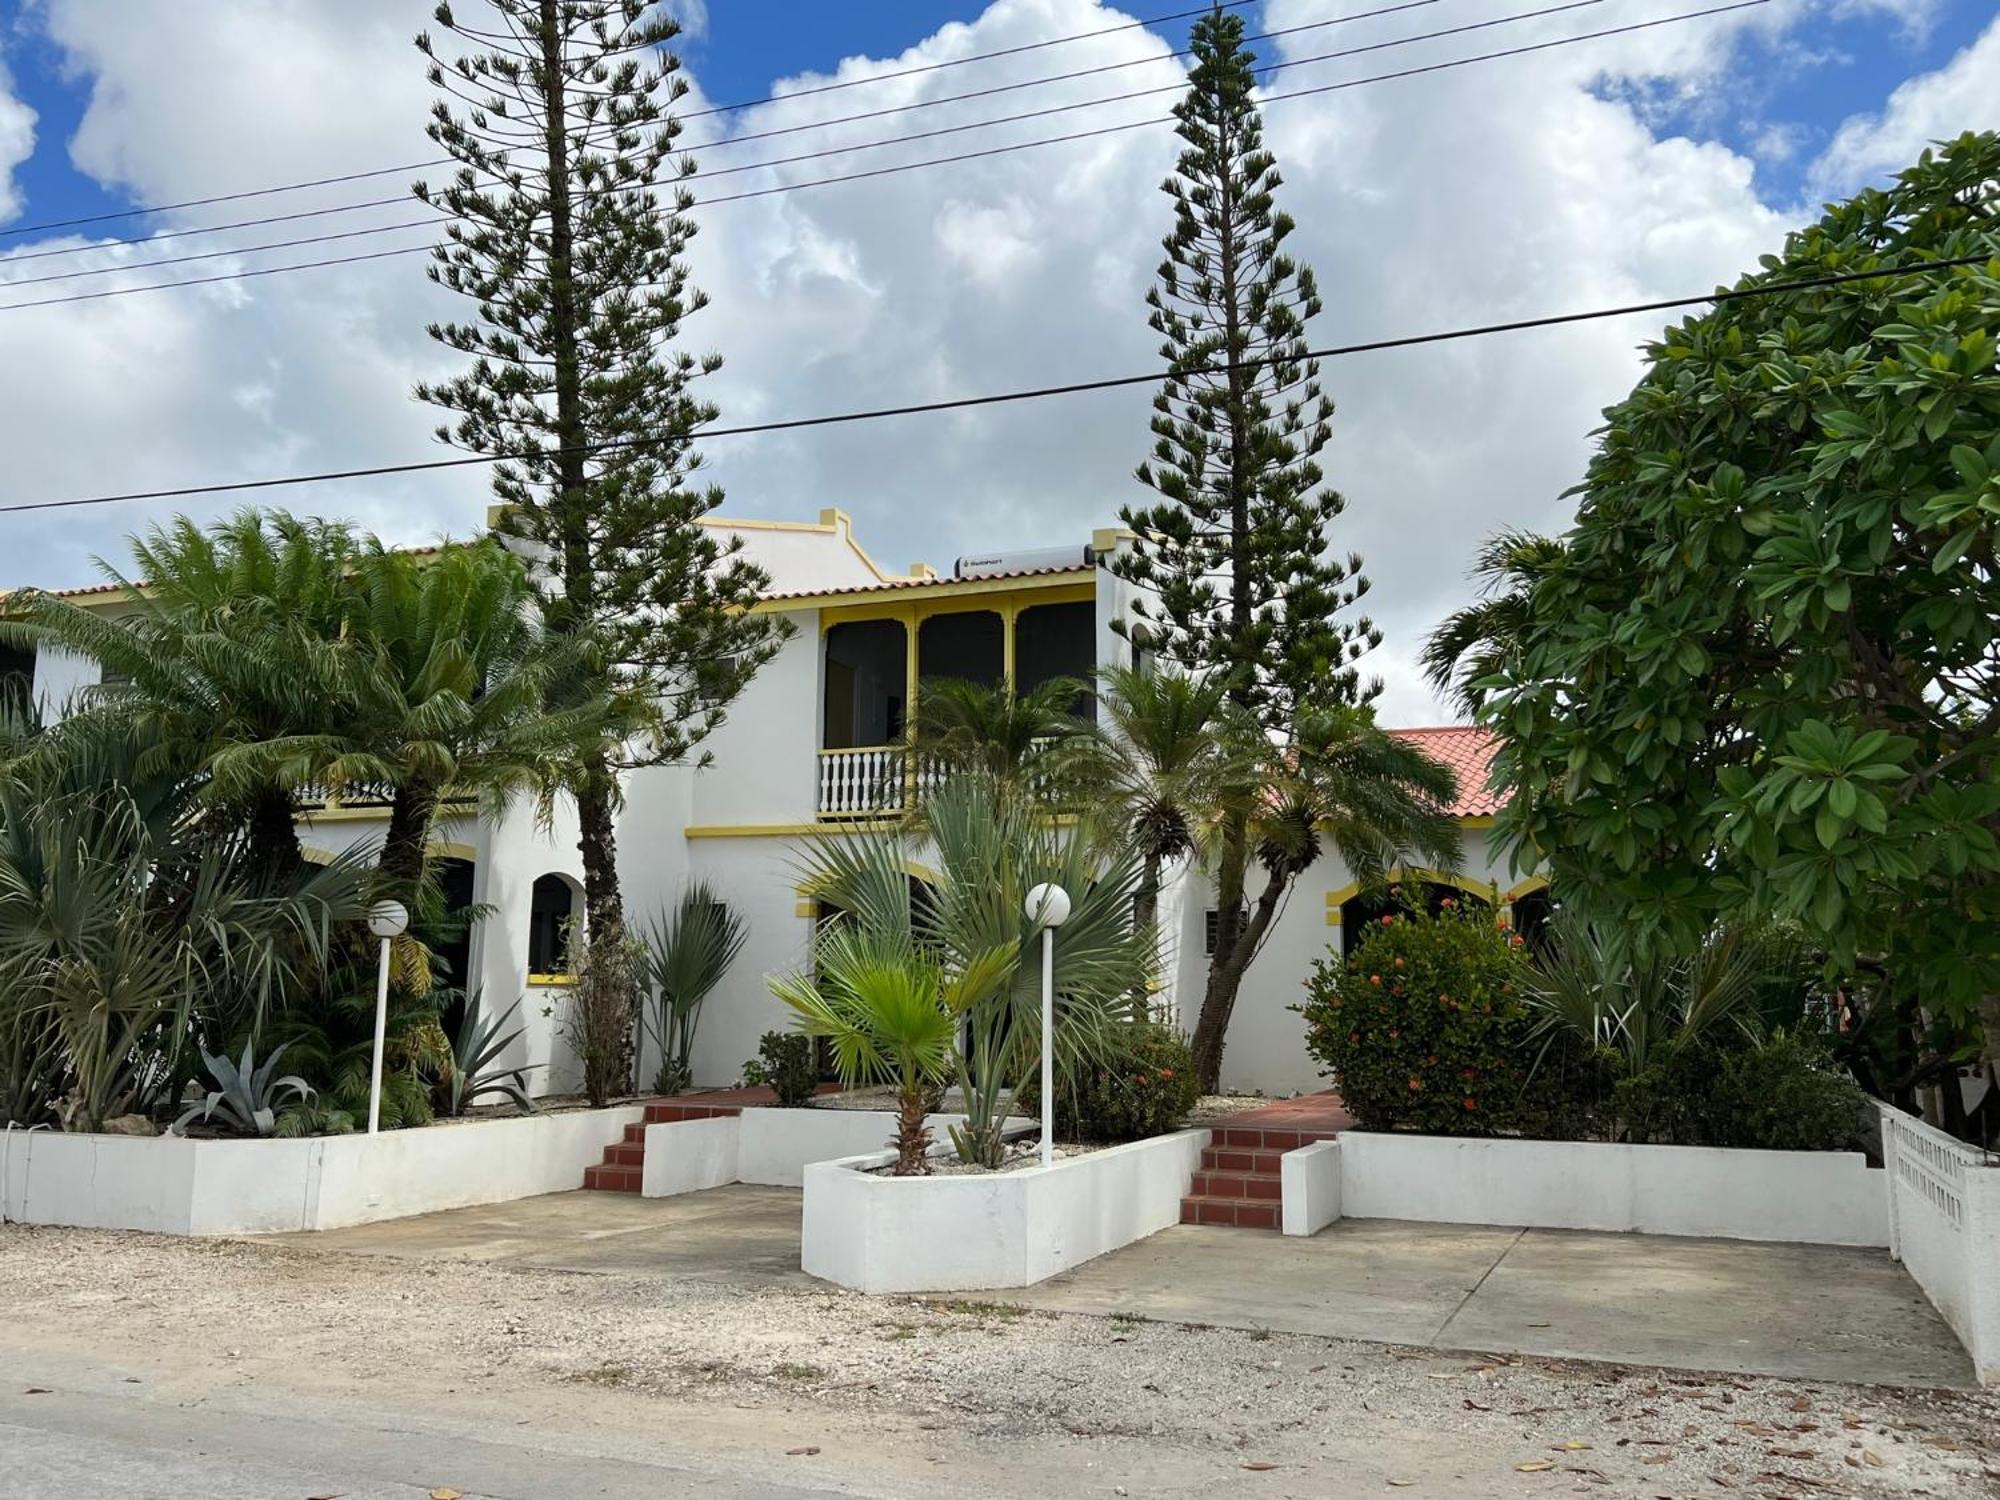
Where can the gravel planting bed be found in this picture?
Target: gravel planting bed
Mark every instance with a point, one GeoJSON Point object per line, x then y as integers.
{"type": "Point", "coordinates": [986, 1368]}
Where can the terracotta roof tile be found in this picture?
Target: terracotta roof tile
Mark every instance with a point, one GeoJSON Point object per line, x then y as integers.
{"type": "Point", "coordinates": [1468, 750]}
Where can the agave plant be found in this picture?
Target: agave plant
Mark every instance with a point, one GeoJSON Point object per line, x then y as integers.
{"type": "Point", "coordinates": [247, 1095]}
{"type": "Point", "coordinates": [685, 956]}
{"type": "Point", "coordinates": [482, 1038]}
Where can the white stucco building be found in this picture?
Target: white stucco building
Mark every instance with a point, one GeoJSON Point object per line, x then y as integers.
{"type": "Point", "coordinates": [809, 751]}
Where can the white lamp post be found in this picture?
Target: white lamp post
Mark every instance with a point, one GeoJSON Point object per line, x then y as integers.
{"type": "Point", "coordinates": [1048, 908]}
{"type": "Point", "coordinates": [387, 920]}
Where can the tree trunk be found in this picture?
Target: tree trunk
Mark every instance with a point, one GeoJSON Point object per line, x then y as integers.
{"type": "Point", "coordinates": [401, 866]}
{"type": "Point", "coordinates": [1146, 919]}
{"type": "Point", "coordinates": [913, 1138]}
{"type": "Point", "coordinates": [1225, 975]}
{"type": "Point", "coordinates": [603, 900]}
{"type": "Point", "coordinates": [274, 848]}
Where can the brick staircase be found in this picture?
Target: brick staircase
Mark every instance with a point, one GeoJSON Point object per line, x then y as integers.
{"type": "Point", "coordinates": [1237, 1182]}
{"type": "Point", "coordinates": [623, 1167]}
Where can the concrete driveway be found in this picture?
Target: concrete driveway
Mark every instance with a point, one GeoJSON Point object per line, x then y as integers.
{"type": "Point", "coordinates": [743, 1236]}
{"type": "Point", "coordinates": [1800, 1311]}
{"type": "Point", "coordinates": [1813, 1312]}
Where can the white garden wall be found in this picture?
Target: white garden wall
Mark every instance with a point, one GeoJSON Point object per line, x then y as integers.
{"type": "Point", "coordinates": [1811, 1197]}
{"type": "Point", "coordinates": [773, 1147]}
{"type": "Point", "coordinates": [1000, 1229]}
{"type": "Point", "coordinates": [172, 1185]}
{"type": "Point", "coordinates": [1944, 1226]}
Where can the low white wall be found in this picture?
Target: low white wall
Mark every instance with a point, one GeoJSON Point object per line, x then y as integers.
{"type": "Point", "coordinates": [1813, 1197]}
{"type": "Point", "coordinates": [685, 1156]}
{"type": "Point", "coordinates": [1003, 1229]}
{"type": "Point", "coordinates": [1944, 1226]}
{"type": "Point", "coordinates": [773, 1147]}
{"type": "Point", "coordinates": [1309, 1187]}
{"type": "Point", "coordinates": [173, 1185]}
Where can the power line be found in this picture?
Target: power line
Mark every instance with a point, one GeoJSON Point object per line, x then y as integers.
{"type": "Point", "coordinates": [1075, 388]}
{"type": "Point", "coordinates": [991, 151]}
{"type": "Point", "coordinates": [816, 125]}
{"type": "Point", "coordinates": [958, 129]}
{"type": "Point", "coordinates": [333, 181]}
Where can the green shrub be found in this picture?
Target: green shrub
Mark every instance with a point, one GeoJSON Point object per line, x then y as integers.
{"type": "Point", "coordinates": [1422, 1027]}
{"type": "Point", "coordinates": [788, 1064]}
{"type": "Point", "coordinates": [1785, 1094]}
{"type": "Point", "coordinates": [1142, 1085]}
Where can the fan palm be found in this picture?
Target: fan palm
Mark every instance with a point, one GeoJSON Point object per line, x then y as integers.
{"type": "Point", "coordinates": [1477, 641]}
{"type": "Point", "coordinates": [990, 845]}
{"type": "Point", "coordinates": [890, 1011]}
{"type": "Point", "coordinates": [686, 955]}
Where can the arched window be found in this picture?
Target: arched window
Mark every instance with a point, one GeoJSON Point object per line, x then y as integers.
{"type": "Point", "coordinates": [1533, 911]}
{"type": "Point", "coordinates": [551, 908]}
{"type": "Point", "coordinates": [1359, 912]}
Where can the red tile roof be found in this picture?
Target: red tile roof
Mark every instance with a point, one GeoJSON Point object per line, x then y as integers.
{"type": "Point", "coordinates": [1469, 752]}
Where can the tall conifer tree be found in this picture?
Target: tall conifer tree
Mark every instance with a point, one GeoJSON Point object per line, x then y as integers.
{"type": "Point", "coordinates": [1239, 581]}
{"type": "Point", "coordinates": [569, 229]}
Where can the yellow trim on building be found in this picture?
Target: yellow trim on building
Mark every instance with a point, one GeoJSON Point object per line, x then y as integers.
{"type": "Point", "coordinates": [785, 830]}
{"type": "Point", "coordinates": [891, 604]}
{"type": "Point", "coordinates": [1476, 820]}
{"type": "Point", "coordinates": [1532, 883]}
{"type": "Point", "coordinates": [1485, 891]}
{"type": "Point", "coordinates": [550, 981]}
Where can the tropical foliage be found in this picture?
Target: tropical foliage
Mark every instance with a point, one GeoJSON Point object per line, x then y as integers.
{"type": "Point", "coordinates": [1141, 1085]}
{"type": "Point", "coordinates": [988, 847]}
{"type": "Point", "coordinates": [1758, 677]}
{"type": "Point", "coordinates": [686, 953]}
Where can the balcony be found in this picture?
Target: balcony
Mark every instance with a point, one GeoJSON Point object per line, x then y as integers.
{"type": "Point", "coordinates": [875, 661]}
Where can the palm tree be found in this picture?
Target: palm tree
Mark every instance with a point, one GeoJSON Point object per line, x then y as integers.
{"type": "Point", "coordinates": [990, 845]}
{"type": "Point", "coordinates": [1022, 741]}
{"type": "Point", "coordinates": [891, 1012]}
{"type": "Point", "coordinates": [1341, 781]}
{"type": "Point", "coordinates": [1163, 759]}
{"type": "Point", "coordinates": [686, 955]}
{"type": "Point", "coordinates": [222, 651]}
{"type": "Point", "coordinates": [1477, 641]}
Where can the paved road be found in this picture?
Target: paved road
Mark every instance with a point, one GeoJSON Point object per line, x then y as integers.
{"type": "Point", "coordinates": [69, 1443]}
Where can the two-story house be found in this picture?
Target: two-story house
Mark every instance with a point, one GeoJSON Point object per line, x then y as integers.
{"type": "Point", "coordinates": [812, 750]}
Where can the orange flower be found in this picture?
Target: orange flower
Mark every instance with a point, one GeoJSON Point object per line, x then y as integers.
{"type": "Point", "coordinates": [1471, 1104]}
{"type": "Point", "coordinates": [1376, 980]}
{"type": "Point", "coordinates": [1166, 1072]}
{"type": "Point", "coordinates": [1416, 1085]}
{"type": "Point", "coordinates": [1388, 921]}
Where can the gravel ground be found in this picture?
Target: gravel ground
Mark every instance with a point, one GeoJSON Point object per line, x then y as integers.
{"type": "Point", "coordinates": [995, 1371]}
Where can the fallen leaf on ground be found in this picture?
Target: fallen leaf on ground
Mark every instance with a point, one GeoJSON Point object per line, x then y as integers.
{"type": "Point", "coordinates": [1574, 1445]}
{"type": "Point", "coordinates": [805, 1452]}
{"type": "Point", "coordinates": [1536, 1466]}
{"type": "Point", "coordinates": [36, 1390]}
{"type": "Point", "coordinates": [446, 1492]}
{"type": "Point", "coordinates": [1259, 1465]}
{"type": "Point", "coordinates": [1401, 1484]}
{"type": "Point", "coordinates": [1871, 1457]}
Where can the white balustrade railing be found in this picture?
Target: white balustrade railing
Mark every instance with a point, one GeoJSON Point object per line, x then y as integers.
{"type": "Point", "coordinates": [1944, 1226]}
{"type": "Point", "coordinates": [864, 782]}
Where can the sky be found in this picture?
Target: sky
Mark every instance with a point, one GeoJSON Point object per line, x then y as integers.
{"type": "Point", "coordinates": [1618, 169]}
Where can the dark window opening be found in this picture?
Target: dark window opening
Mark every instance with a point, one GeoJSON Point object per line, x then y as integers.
{"type": "Point", "coordinates": [971, 646]}
{"type": "Point", "coordinates": [1533, 913]}
{"type": "Point", "coordinates": [866, 683]}
{"type": "Point", "coordinates": [1360, 912]}
{"type": "Point", "coordinates": [551, 906]}
{"type": "Point", "coordinates": [1057, 640]}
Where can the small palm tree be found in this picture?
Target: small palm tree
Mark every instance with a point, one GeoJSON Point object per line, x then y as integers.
{"type": "Point", "coordinates": [686, 955]}
{"type": "Point", "coordinates": [990, 845]}
{"type": "Point", "coordinates": [1025, 742]}
{"type": "Point", "coordinates": [891, 1013]}
{"type": "Point", "coordinates": [1162, 762]}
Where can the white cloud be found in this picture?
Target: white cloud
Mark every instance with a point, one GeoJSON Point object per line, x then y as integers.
{"type": "Point", "coordinates": [1506, 190]}
{"type": "Point", "coordinates": [1962, 95]}
{"type": "Point", "coordinates": [17, 144]}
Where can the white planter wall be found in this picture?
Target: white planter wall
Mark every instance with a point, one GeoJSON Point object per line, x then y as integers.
{"type": "Point", "coordinates": [1944, 1226]}
{"type": "Point", "coordinates": [772, 1147]}
{"type": "Point", "coordinates": [1003, 1229]}
{"type": "Point", "coordinates": [172, 1185]}
{"type": "Point", "coordinates": [1811, 1197]}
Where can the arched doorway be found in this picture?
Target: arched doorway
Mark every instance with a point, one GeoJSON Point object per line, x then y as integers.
{"type": "Point", "coordinates": [1366, 907]}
